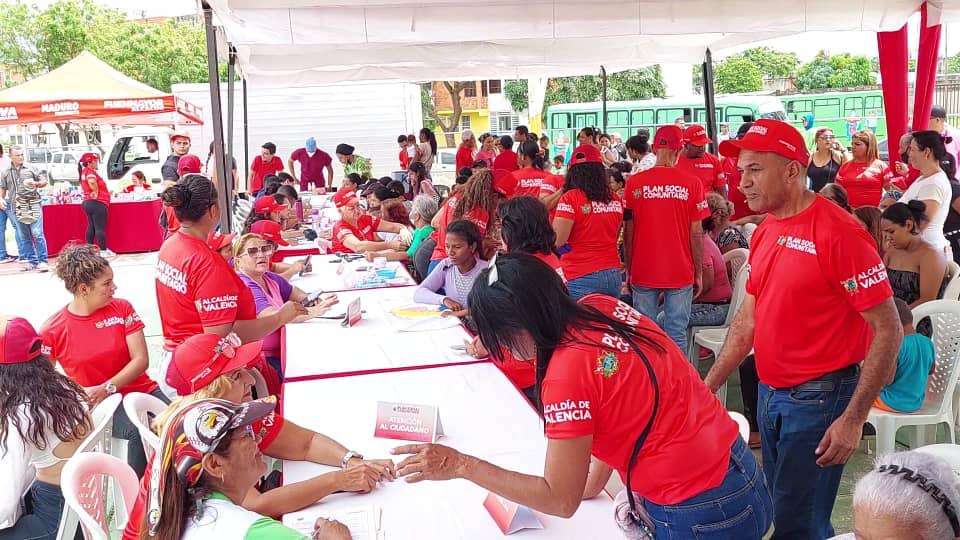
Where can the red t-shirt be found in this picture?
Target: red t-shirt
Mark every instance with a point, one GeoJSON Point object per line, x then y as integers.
{"type": "Point", "coordinates": [812, 274]}
{"type": "Point", "coordinates": [103, 193]}
{"type": "Point", "coordinates": [553, 262]}
{"type": "Point", "coordinates": [93, 348]}
{"type": "Point", "coordinates": [593, 239]}
{"type": "Point", "coordinates": [404, 159]}
{"type": "Point", "coordinates": [131, 188]}
{"type": "Point", "coordinates": [734, 195]}
{"type": "Point", "coordinates": [707, 168]}
{"type": "Point", "coordinates": [478, 216]}
{"type": "Point", "coordinates": [261, 169]}
{"type": "Point", "coordinates": [525, 182]}
{"type": "Point", "coordinates": [464, 158]}
{"type": "Point", "coordinates": [267, 427]}
{"type": "Point", "coordinates": [366, 230]}
{"type": "Point", "coordinates": [551, 184]}
{"type": "Point", "coordinates": [196, 288]}
{"type": "Point", "coordinates": [864, 181]}
{"type": "Point", "coordinates": [665, 201]}
{"type": "Point", "coordinates": [597, 385]}
{"type": "Point", "coordinates": [507, 161]}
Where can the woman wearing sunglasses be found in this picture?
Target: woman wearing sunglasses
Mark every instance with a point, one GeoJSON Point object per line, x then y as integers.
{"type": "Point", "coordinates": [612, 386]}
{"type": "Point", "coordinates": [197, 291]}
{"type": "Point", "coordinates": [270, 291]}
{"type": "Point", "coordinates": [826, 160]}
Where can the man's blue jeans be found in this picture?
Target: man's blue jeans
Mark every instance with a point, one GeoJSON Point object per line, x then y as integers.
{"type": "Point", "coordinates": [676, 310]}
{"type": "Point", "coordinates": [34, 243]}
{"type": "Point", "coordinates": [792, 423]}
{"type": "Point", "coordinates": [600, 282]}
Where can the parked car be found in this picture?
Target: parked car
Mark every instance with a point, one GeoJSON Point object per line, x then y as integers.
{"type": "Point", "coordinates": [444, 166]}
{"type": "Point", "coordinates": [39, 158]}
{"type": "Point", "coordinates": [64, 166]}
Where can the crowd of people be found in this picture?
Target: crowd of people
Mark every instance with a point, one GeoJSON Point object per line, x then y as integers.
{"type": "Point", "coordinates": [582, 286]}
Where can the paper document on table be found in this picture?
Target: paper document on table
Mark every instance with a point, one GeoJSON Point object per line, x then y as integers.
{"type": "Point", "coordinates": [363, 522]}
{"type": "Point", "coordinates": [429, 324]}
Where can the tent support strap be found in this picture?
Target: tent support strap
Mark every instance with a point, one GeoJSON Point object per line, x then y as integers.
{"type": "Point", "coordinates": [603, 79]}
{"type": "Point", "coordinates": [709, 98]}
{"type": "Point", "coordinates": [231, 75]}
{"type": "Point", "coordinates": [246, 131]}
{"type": "Point", "coordinates": [220, 165]}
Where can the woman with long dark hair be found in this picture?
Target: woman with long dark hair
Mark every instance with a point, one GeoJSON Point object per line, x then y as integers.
{"type": "Point", "coordinates": [917, 270]}
{"type": "Point", "coordinates": [925, 153]}
{"type": "Point", "coordinates": [529, 178]}
{"type": "Point", "coordinates": [588, 219]}
{"type": "Point", "coordinates": [477, 202]}
{"type": "Point", "coordinates": [43, 420]}
{"type": "Point", "coordinates": [96, 202]}
{"type": "Point", "coordinates": [826, 159]}
{"type": "Point", "coordinates": [427, 148]}
{"type": "Point", "coordinates": [613, 387]}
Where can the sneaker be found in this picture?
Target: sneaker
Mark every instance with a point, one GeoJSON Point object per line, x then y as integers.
{"type": "Point", "coordinates": [43, 267]}
{"type": "Point", "coordinates": [8, 259]}
{"type": "Point", "coordinates": [29, 267]}
{"type": "Point", "coordinates": [107, 254]}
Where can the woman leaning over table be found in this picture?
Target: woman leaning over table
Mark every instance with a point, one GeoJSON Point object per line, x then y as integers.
{"type": "Point", "coordinates": [210, 461]}
{"type": "Point", "coordinates": [197, 291]}
{"type": "Point", "coordinates": [98, 340]}
{"type": "Point", "coordinates": [96, 201]}
{"type": "Point", "coordinates": [865, 177]}
{"type": "Point", "coordinates": [456, 274]}
{"type": "Point", "coordinates": [613, 387]}
{"type": "Point", "coordinates": [43, 420]}
{"type": "Point", "coordinates": [270, 291]}
{"type": "Point", "coordinates": [221, 369]}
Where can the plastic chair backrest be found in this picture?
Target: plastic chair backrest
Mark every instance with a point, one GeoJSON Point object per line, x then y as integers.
{"type": "Point", "coordinates": [139, 407]}
{"type": "Point", "coordinates": [952, 290]}
{"type": "Point", "coordinates": [739, 292]}
{"type": "Point", "coordinates": [735, 259]}
{"type": "Point", "coordinates": [748, 230]}
{"type": "Point", "coordinates": [945, 318]}
{"type": "Point", "coordinates": [742, 424]}
{"type": "Point", "coordinates": [79, 481]}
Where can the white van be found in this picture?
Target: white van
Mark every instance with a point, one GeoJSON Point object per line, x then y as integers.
{"type": "Point", "coordinates": [63, 166]}
{"type": "Point", "coordinates": [129, 153]}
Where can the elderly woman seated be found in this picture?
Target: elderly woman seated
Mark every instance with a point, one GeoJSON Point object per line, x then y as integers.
{"type": "Point", "coordinates": [422, 212]}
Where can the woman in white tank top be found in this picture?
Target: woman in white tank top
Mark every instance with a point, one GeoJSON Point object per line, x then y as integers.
{"type": "Point", "coordinates": [933, 187]}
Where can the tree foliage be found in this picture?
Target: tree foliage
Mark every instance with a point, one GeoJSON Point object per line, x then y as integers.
{"type": "Point", "coordinates": [626, 85]}
{"type": "Point", "coordinates": [737, 75]}
{"type": "Point", "coordinates": [837, 71]}
{"type": "Point", "coordinates": [450, 124]}
{"type": "Point", "coordinates": [771, 63]}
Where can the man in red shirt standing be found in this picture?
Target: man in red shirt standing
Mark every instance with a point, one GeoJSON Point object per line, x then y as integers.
{"type": "Point", "coordinates": [468, 145]}
{"type": "Point", "coordinates": [696, 161]}
{"type": "Point", "coordinates": [264, 165]}
{"type": "Point", "coordinates": [507, 159]}
{"type": "Point", "coordinates": [313, 163]}
{"type": "Point", "coordinates": [818, 303]}
{"type": "Point", "coordinates": [663, 237]}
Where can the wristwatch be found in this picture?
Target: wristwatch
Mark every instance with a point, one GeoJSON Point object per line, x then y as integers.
{"type": "Point", "coordinates": [110, 388]}
{"type": "Point", "coordinates": [347, 457]}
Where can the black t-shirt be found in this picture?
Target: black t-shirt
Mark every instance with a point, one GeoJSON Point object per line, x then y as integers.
{"type": "Point", "coordinates": [168, 171]}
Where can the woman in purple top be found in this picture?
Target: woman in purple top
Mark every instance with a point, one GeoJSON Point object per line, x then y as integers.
{"type": "Point", "coordinates": [450, 282]}
{"type": "Point", "coordinates": [270, 291]}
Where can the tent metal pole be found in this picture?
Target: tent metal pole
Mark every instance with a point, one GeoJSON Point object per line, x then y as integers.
{"type": "Point", "coordinates": [709, 98]}
{"type": "Point", "coordinates": [231, 74]}
{"type": "Point", "coordinates": [246, 131]}
{"type": "Point", "coordinates": [603, 79]}
{"type": "Point", "coordinates": [220, 164]}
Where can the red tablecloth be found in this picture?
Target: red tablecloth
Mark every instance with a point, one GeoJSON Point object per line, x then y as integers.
{"type": "Point", "coordinates": [132, 227]}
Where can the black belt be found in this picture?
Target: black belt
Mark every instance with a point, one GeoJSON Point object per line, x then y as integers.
{"type": "Point", "coordinates": [826, 382]}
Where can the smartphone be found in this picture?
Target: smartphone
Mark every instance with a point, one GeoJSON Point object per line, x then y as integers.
{"type": "Point", "coordinates": [306, 262]}
{"type": "Point", "coordinates": [311, 299]}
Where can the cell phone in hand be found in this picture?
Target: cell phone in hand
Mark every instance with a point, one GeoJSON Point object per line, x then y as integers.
{"type": "Point", "coordinates": [306, 262]}
{"type": "Point", "coordinates": [311, 299]}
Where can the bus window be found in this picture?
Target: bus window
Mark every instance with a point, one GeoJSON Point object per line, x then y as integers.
{"type": "Point", "coordinates": [669, 116]}
{"type": "Point", "coordinates": [852, 106]}
{"type": "Point", "coordinates": [560, 120]}
{"type": "Point", "coordinates": [739, 115]}
{"type": "Point", "coordinates": [641, 118]}
{"type": "Point", "coordinates": [873, 105]}
{"type": "Point", "coordinates": [826, 108]}
{"type": "Point", "coordinates": [617, 118]}
{"type": "Point", "coordinates": [582, 120]}
{"type": "Point", "coordinates": [797, 108]}
{"type": "Point", "coordinates": [700, 116]}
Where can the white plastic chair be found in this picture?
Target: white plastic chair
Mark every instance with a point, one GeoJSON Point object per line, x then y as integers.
{"type": "Point", "coordinates": [748, 231]}
{"type": "Point", "coordinates": [241, 210]}
{"type": "Point", "coordinates": [952, 290]}
{"type": "Point", "coordinates": [80, 479]}
{"type": "Point", "coordinates": [734, 260]}
{"type": "Point", "coordinates": [947, 452]}
{"type": "Point", "coordinates": [739, 282]}
{"type": "Point", "coordinates": [139, 407]}
{"type": "Point", "coordinates": [98, 440]}
{"type": "Point", "coordinates": [938, 405]}
{"type": "Point", "coordinates": [742, 424]}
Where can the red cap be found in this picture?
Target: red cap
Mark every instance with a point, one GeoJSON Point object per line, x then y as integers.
{"type": "Point", "coordinates": [19, 342]}
{"type": "Point", "coordinates": [269, 231]}
{"type": "Point", "coordinates": [766, 135]}
{"type": "Point", "coordinates": [202, 358]}
{"type": "Point", "coordinates": [88, 157]}
{"type": "Point", "coordinates": [218, 241]}
{"type": "Point", "coordinates": [586, 153]}
{"type": "Point", "coordinates": [266, 205]}
{"type": "Point", "coordinates": [696, 135]}
{"type": "Point", "coordinates": [345, 198]}
{"type": "Point", "coordinates": [179, 135]}
{"type": "Point", "coordinates": [188, 164]}
{"type": "Point", "coordinates": [668, 137]}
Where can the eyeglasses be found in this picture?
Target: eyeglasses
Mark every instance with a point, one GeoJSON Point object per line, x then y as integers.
{"type": "Point", "coordinates": [828, 137]}
{"type": "Point", "coordinates": [262, 250]}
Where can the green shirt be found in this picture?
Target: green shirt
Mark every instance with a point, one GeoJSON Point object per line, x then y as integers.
{"type": "Point", "coordinates": [264, 528]}
{"type": "Point", "coordinates": [419, 236]}
{"type": "Point", "coordinates": [359, 165]}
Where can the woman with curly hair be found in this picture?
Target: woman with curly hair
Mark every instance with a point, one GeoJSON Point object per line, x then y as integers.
{"type": "Point", "coordinates": [588, 220]}
{"type": "Point", "coordinates": [43, 420]}
{"type": "Point", "coordinates": [477, 202]}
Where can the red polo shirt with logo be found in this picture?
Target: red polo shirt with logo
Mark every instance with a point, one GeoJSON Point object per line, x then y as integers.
{"type": "Point", "coordinates": [366, 229]}
{"type": "Point", "coordinates": [812, 275]}
{"type": "Point", "coordinates": [593, 238]}
{"type": "Point", "coordinates": [525, 182]}
{"type": "Point", "coordinates": [707, 168]}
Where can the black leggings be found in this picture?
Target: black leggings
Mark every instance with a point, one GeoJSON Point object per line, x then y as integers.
{"type": "Point", "coordinates": [96, 222]}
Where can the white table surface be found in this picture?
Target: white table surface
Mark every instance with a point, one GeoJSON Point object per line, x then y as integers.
{"type": "Point", "coordinates": [322, 347]}
{"type": "Point", "coordinates": [482, 415]}
{"type": "Point", "coordinates": [325, 277]}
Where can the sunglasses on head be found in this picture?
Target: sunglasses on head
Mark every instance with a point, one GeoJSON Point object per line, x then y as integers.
{"type": "Point", "coordinates": [262, 250]}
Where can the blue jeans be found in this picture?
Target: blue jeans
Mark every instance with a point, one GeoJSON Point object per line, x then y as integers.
{"type": "Point", "coordinates": [738, 509]}
{"type": "Point", "coordinates": [8, 215]}
{"type": "Point", "coordinates": [34, 243]}
{"type": "Point", "coordinates": [41, 517]}
{"type": "Point", "coordinates": [708, 314]}
{"type": "Point", "coordinates": [602, 281]}
{"type": "Point", "coordinates": [676, 310]}
{"type": "Point", "coordinates": [792, 423]}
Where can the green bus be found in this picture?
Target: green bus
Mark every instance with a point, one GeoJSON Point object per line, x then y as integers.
{"type": "Point", "coordinates": [626, 117]}
{"type": "Point", "coordinates": [845, 112]}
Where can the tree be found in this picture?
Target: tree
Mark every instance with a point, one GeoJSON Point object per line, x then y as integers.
{"type": "Point", "coordinates": [837, 71]}
{"type": "Point", "coordinates": [631, 84]}
{"type": "Point", "coordinates": [449, 127]}
{"type": "Point", "coordinates": [952, 64]}
{"type": "Point", "coordinates": [771, 63]}
{"type": "Point", "coordinates": [737, 74]}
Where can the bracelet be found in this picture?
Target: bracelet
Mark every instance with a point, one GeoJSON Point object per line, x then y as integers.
{"type": "Point", "coordinates": [347, 457]}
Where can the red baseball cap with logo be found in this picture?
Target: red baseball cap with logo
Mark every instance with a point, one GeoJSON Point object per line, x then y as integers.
{"type": "Point", "coordinates": [202, 358]}
{"type": "Point", "coordinates": [179, 135]}
{"type": "Point", "coordinates": [766, 135]}
{"type": "Point", "coordinates": [696, 135]}
{"type": "Point", "coordinates": [188, 164]}
{"type": "Point", "coordinates": [268, 230]}
{"type": "Point", "coordinates": [345, 198]}
{"type": "Point", "coordinates": [89, 156]}
{"type": "Point", "coordinates": [585, 153]}
{"type": "Point", "coordinates": [19, 342]}
{"type": "Point", "coordinates": [668, 137]}
{"type": "Point", "coordinates": [217, 241]}
{"type": "Point", "coordinates": [267, 205]}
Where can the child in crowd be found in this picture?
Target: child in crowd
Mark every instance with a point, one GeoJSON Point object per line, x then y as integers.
{"type": "Point", "coordinates": [906, 388]}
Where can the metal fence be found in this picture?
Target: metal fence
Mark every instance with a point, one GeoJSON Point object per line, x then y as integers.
{"type": "Point", "coordinates": [947, 94]}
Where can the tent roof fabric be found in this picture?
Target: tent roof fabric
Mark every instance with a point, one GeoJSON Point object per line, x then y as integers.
{"type": "Point", "coordinates": [301, 42]}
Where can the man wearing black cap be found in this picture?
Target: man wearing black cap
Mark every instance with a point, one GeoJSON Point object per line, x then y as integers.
{"type": "Point", "coordinates": [938, 123]}
{"type": "Point", "coordinates": [353, 163]}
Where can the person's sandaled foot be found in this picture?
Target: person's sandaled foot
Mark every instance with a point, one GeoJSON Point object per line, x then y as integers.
{"type": "Point", "coordinates": [754, 441]}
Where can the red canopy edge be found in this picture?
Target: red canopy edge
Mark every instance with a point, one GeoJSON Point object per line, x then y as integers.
{"type": "Point", "coordinates": [159, 110]}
